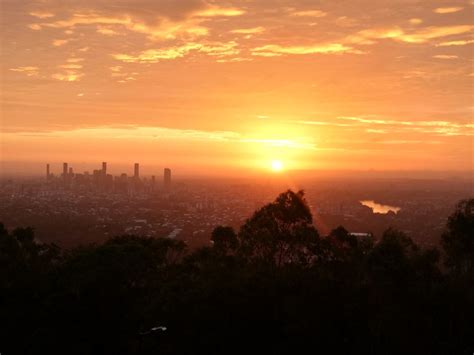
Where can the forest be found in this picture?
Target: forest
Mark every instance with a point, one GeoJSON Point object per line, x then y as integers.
{"type": "Point", "coordinates": [275, 286]}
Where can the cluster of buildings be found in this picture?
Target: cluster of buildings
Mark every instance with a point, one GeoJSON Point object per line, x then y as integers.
{"type": "Point", "coordinates": [101, 180]}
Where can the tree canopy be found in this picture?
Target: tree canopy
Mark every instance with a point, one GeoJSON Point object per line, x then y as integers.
{"type": "Point", "coordinates": [276, 286]}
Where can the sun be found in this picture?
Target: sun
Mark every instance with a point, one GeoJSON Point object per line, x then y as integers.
{"type": "Point", "coordinates": [277, 165]}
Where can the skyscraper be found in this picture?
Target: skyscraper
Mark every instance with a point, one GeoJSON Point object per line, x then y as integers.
{"type": "Point", "coordinates": [167, 177]}
{"type": "Point", "coordinates": [153, 183]}
{"type": "Point", "coordinates": [136, 174]}
{"type": "Point", "coordinates": [65, 170]}
{"type": "Point", "coordinates": [104, 168]}
{"type": "Point", "coordinates": [47, 172]}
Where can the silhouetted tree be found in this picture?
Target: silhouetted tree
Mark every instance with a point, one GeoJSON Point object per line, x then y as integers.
{"type": "Point", "coordinates": [276, 287]}
{"type": "Point", "coordinates": [458, 240]}
{"type": "Point", "coordinates": [280, 232]}
{"type": "Point", "coordinates": [224, 239]}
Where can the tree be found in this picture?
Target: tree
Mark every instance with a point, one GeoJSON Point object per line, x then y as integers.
{"type": "Point", "coordinates": [224, 239]}
{"type": "Point", "coordinates": [281, 232]}
{"type": "Point", "coordinates": [458, 240]}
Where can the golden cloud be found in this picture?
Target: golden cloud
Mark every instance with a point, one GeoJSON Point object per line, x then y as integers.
{"type": "Point", "coordinates": [445, 128]}
{"type": "Point", "coordinates": [329, 48]}
{"type": "Point", "coordinates": [216, 11]}
{"type": "Point", "coordinates": [445, 56]}
{"type": "Point", "coordinates": [28, 70]}
{"type": "Point", "coordinates": [419, 36]}
{"type": "Point", "coordinates": [252, 30]}
{"type": "Point", "coordinates": [107, 31]}
{"type": "Point", "coordinates": [164, 28]}
{"type": "Point", "coordinates": [156, 55]}
{"type": "Point", "coordinates": [448, 10]}
{"type": "Point", "coordinates": [42, 15]}
{"type": "Point", "coordinates": [309, 13]}
{"type": "Point", "coordinates": [455, 43]}
{"type": "Point", "coordinates": [60, 42]}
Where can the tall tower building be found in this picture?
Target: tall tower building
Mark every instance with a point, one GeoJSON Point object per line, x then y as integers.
{"type": "Point", "coordinates": [65, 170]}
{"type": "Point", "coordinates": [47, 172]}
{"type": "Point", "coordinates": [104, 168]}
{"type": "Point", "coordinates": [136, 173]}
{"type": "Point", "coordinates": [167, 177]}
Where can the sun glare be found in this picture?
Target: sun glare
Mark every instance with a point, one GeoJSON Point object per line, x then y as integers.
{"type": "Point", "coordinates": [277, 165]}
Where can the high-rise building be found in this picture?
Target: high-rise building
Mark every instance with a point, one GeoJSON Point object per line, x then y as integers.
{"type": "Point", "coordinates": [136, 174]}
{"type": "Point", "coordinates": [104, 168]}
{"type": "Point", "coordinates": [65, 171]}
{"type": "Point", "coordinates": [167, 177]}
{"type": "Point", "coordinates": [71, 172]}
{"type": "Point", "coordinates": [47, 172]}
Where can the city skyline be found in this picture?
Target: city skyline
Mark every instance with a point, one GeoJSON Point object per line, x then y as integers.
{"type": "Point", "coordinates": [235, 86]}
{"type": "Point", "coordinates": [67, 169]}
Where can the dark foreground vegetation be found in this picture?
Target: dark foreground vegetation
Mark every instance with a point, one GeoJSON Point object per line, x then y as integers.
{"type": "Point", "coordinates": [275, 287]}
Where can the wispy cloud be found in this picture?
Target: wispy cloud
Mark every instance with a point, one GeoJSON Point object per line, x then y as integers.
{"type": "Point", "coordinates": [445, 128]}
{"type": "Point", "coordinates": [309, 13]}
{"type": "Point", "coordinates": [28, 70]}
{"type": "Point", "coordinates": [156, 55]}
{"type": "Point", "coordinates": [329, 48]}
{"type": "Point", "coordinates": [251, 30]}
{"type": "Point", "coordinates": [173, 134]}
{"type": "Point", "coordinates": [60, 42]}
{"type": "Point", "coordinates": [415, 21]}
{"type": "Point", "coordinates": [445, 56]}
{"type": "Point", "coordinates": [448, 10]}
{"type": "Point", "coordinates": [461, 42]}
{"type": "Point", "coordinates": [421, 35]}
{"type": "Point", "coordinates": [41, 14]}
{"type": "Point", "coordinates": [107, 31]}
{"type": "Point", "coordinates": [161, 29]}
{"type": "Point", "coordinates": [68, 76]}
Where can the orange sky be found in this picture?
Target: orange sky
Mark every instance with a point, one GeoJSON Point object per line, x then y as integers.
{"type": "Point", "coordinates": [222, 85]}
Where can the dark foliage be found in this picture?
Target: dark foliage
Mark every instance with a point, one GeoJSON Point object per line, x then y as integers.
{"type": "Point", "coordinates": [275, 287]}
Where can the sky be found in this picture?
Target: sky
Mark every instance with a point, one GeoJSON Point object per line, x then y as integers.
{"type": "Point", "coordinates": [219, 87]}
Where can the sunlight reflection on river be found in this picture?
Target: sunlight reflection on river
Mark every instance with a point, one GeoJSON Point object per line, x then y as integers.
{"type": "Point", "coordinates": [379, 208]}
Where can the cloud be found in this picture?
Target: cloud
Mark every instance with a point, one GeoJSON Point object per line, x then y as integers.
{"type": "Point", "coordinates": [157, 26]}
{"type": "Point", "coordinates": [329, 48]}
{"type": "Point", "coordinates": [34, 27]}
{"type": "Point", "coordinates": [42, 15]}
{"type": "Point", "coordinates": [252, 30]}
{"type": "Point", "coordinates": [74, 60]}
{"type": "Point", "coordinates": [156, 55]}
{"type": "Point", "coordinates": [166, 29]}
{"type": "Point", "coordinates": [418, 36]}
{"type": "Point", "coordinates": [216, 11]}
{"type": "Point", "coordinates": [455, 43]}
{"type": "Point", "coordinates": [71, 66]}
{"type": "Point", "coordinates": [234, 60]}
{"type": "Point", "coordinates": [445, 56]}
{"type": "Point", "coordinates": [416, 21]}
{"type": "Point", "coordinates": [448, 10]}
{"type": "Point", "coordinates": [309, 13]}
{"type": "Point", "coordinates": [60, 42]}
{"type": "Point", "coordinates": [28, 70]}
{"type": "Point", "coordinates": [433, 32]}
{"type": "Point", "coordinates": [107, 31]}
{"type": "Point", "coordinates": [442, 128]}
{"type": "Point", "coordinates": [68, 76]}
